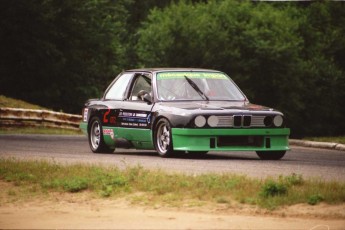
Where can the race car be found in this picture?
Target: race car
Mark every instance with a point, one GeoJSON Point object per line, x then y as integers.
{"type": "Point", "coordinates": [180, 110]}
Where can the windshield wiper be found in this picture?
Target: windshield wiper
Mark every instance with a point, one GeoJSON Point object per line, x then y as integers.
{"type": "Point", "coordinates": [197, 89]}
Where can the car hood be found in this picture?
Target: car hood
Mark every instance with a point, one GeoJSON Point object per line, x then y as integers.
{"type": "Point", "coordinates": [213, 106]}
{"type": "Point", "coordinates": [180, 114]}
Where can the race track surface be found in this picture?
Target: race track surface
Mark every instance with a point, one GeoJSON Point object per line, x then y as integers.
{"type": "Point", "coordinates": [309, 162]}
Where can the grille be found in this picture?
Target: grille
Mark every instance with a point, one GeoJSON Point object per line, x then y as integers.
{"type": "Point", "coordinates": [237, 121]}
{"type": "Point", "coordinates": [258, 121]}
{"type": "Point", "coordinates": [225, 121]}
{"type": "Point", "coordinates": [241, 121]}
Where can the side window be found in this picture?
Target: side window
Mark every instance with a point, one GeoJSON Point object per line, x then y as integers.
{"type": "Point", "coordinates": [118, 89]}
{"type": "Point", "coordinates": [141, 83]}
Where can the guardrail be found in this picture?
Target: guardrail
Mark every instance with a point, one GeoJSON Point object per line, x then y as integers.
{"type": "Point", "coordinates": [47, 118]}
{"type": "Point", "coordinates": [34, 117]}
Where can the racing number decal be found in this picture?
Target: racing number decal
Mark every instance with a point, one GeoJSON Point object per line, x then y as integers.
{"type": "Point", "coordinates": [105, 119]}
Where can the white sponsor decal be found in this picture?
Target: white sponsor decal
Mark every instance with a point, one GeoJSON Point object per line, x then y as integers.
{"type": "Point", "coordinates": [129, 114]}
{"type": "Point", "coordinates": [141, 115]}
{"type": "Point", "coordinates": [108, 132]}
{"type": "Point", "coordinates": [86, 110]}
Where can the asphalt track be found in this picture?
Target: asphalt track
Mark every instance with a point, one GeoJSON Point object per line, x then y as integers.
{"type": "Point", "coordinates": [309, 162]}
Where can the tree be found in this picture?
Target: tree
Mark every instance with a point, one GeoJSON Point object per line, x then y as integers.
{"type": "Point", "coordinates": [59, 53]}
{"type": "Point", "coordinates": [288, 56]}
{"type": "Point", "coordinates": [256, 44]}
{"type": "Point", "coordinates": [323, 68]}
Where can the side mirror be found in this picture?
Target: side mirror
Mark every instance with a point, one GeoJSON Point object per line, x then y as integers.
{"type": "Point", "coordinates": [145, 96]}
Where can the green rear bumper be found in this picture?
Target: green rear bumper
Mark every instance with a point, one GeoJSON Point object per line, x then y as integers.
{"type": "Point", "coordinates": [231, 139]}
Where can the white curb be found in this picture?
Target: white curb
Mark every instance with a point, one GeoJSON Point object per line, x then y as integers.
{"type": "Point", "coordinates": [317, 144]}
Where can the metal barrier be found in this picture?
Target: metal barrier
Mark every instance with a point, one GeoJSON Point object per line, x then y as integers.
{"type": "Point", "coordinates": [42, 118]}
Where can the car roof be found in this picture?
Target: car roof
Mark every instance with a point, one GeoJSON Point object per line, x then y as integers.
{"type": "Point", "coordinates": [170, 69]}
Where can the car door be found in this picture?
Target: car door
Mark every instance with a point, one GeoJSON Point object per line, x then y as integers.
{"type": "Point", "coordinates": [135, 112]}
{"type": "Point", "coordinates": [113, 100]}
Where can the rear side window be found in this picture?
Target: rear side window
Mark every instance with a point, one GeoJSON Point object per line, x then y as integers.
{"type": "Point", "coordinates": [118, 89]}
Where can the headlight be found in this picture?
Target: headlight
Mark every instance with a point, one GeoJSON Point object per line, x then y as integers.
{"type": "Point", "coordinates": [213, 121]}
{"type": "Point", "coordinates": [200, 121]}
{"type": "Point", "coordinates": [278, 121]}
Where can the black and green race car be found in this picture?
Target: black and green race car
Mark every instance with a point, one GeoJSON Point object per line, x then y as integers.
{"type": "Point", "coordinates": [174, 110]}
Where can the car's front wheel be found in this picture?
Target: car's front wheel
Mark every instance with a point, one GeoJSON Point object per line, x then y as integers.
{"type": "Point", "coordinates": [96, 141]}
{"type": "Point", "coordinates": [271, 155]}
{"type": "Point", "coordinates": [163, 138]}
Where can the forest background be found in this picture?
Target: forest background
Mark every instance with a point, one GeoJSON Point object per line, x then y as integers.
{"type": "Point", "coordinates": [285, 55]}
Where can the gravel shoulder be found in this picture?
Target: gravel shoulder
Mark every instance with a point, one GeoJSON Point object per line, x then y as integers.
{"type": "Point", "coordinates": [107, 214]}
{"type": "Point", "coordinates": [82, 211]}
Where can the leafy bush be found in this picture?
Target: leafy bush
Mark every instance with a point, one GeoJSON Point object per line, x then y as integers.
{"type": "Point", "coordinates": [118, 181]}
{"type": "Point", "coordinates": [315, 199]}
{"type": "Point", "coordinates": [271, 188]}
{"type": "Point", "coordinates": [106, 191]}
{"type": "Point", "coordinates": [75, 185]}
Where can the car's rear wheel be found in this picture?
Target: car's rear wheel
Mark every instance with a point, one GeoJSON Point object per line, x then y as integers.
{"type": "Point", "coordinates": [270, 155]}
{"type": "Point", "coordinates": [96, 141]}
{"type": "Point", "coordinates": [163, 138]}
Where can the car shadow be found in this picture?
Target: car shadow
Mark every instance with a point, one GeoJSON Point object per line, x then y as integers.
{"type": "Point", "coordinates": [186, 156]}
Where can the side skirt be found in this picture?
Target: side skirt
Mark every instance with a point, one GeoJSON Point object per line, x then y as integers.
{"type": "Point", "coordinates": [118, 137]}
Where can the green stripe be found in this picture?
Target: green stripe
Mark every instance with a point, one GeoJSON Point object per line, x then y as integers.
{"type": "Point", "coordinates": [140, 138]}
{"type": "Point", "coordinates": [131, 134]}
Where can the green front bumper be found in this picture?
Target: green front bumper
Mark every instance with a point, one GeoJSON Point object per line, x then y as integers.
{"type": "Point", "coordinates": [231, 139]}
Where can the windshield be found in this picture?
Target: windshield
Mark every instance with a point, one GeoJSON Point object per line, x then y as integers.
{"type": "Point", "coordinates": [196, 86]}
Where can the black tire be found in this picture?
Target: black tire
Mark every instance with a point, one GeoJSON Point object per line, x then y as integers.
{"type": "Point", "coordinates": [163, 139]}
{"type": "Point", "coordinates": [270, 155]}
{"type": "Point", "coordinates": [95, 136]}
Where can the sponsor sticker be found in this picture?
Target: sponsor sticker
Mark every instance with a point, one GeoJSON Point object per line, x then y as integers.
{"type": "Point", "coordinates": [86, 110]}
{"type": "Point", "coordinates": [175, 75]}
{"type": "Point", "coordinates": [129, 114]}
{"type": "Point", "coordinates": [134, 119]}
{"type": "Point", "coordinates": [141, 115]}
{"type": "Point", "coordinates": [108, 132]}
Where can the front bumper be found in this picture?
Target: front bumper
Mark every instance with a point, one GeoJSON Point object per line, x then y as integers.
{"type": "Point", "coordinates": [275, 139]}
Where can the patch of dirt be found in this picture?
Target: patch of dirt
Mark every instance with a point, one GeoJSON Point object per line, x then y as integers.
{"type": "Point", "coordinates": [83, 211]}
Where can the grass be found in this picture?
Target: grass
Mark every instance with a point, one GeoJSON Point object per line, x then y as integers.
{"type": "Point", "coordinates": [151, 187]}
{"type": "Point", "coordinates": [15, 103]}
{"type": "Point", "coordinates": [38, 130]}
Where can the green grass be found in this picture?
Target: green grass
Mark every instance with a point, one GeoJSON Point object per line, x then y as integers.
{"type": "Point", "coordinates": [14, 103]}
{"type": "Point", "coordinates": [156, 187]}
{"type": "Point", "coordinates": [38, 130]}
{"type": "Point", "coordinates": [338, 139]}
